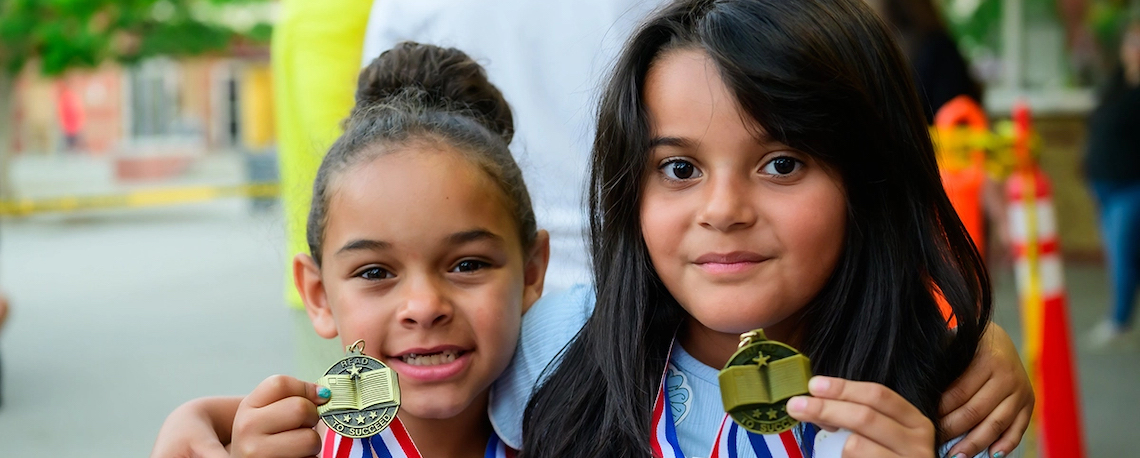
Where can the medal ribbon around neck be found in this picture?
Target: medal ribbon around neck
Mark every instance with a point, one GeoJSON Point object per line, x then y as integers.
{"type": "Point", "coordinates": [795, 443]}
{"type": "Point", "coordinates": [393, 442]}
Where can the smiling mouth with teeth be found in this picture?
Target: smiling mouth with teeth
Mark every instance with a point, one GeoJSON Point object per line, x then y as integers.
{"type": "Point", "coordinates": [433, 359]}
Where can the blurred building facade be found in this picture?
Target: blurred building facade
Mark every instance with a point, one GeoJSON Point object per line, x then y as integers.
{"type": "Point", "coordinates": [153, 119]}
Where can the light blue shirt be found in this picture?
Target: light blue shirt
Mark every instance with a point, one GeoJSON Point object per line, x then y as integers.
{"type": "Point", "coordinates": [551, 324]}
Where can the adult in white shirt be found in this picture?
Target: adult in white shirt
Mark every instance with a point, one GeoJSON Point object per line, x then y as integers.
{"type": "Point", "coordinates": [548, 58]}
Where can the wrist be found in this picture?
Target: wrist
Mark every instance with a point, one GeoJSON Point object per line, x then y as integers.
{"type": "Point", "coordinates": [216, 413]}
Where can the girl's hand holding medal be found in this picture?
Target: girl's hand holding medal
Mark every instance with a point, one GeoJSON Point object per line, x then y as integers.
{"type": "Point", "coordinates": [882, 423]}
{"type": "Point", "coordinates": [277, 420]}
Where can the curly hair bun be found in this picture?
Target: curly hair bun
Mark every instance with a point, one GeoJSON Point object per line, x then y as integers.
{"type": "Point", "coordinates": [441, 78]}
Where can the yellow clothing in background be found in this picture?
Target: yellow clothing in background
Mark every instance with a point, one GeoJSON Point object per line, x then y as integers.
{"type": "Point", "coordinates": [316, 58]}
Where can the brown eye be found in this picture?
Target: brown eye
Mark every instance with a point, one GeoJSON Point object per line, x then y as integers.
{"type": "Point", "coordinates": [782, 165]}
{"type": "Point", "coordinates": [375, 273]}
{"type": "Point", "coordinates": [680, 169]}
{"type": "Point", "coordinates": [469, 265]}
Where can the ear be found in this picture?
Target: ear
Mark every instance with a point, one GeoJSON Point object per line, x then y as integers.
{"type": "Point", "coordinates": [535, 272]}
{"type": "Point", "coordinates": [307, 279]}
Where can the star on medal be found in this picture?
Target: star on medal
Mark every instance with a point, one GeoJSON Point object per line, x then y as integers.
{"type": "Point", "coordinates": [758, 380]}
{"type": "Point", "coordinates": [365, 394]}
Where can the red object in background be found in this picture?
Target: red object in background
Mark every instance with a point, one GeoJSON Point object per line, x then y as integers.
{"type": "Point", "coordinates": [150, 168]}
{"type": "Point", "coordinates": [964, 187]}
{"type": "Point", "coordinates": [71, 117]}
{"type": "Point", "coordinates": [1049, 342]}
{"type": "Point", "coordinates": [1061, 433]}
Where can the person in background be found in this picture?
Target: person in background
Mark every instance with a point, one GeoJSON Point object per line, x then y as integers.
{"type": "Point", "coordinates": [1113, 170]}
{"type": "Point", "coordinates": [549, 58]}
{"type": "Point", "coordinates": [315, 56]}
{"type": "Point", "coordinates": [939, 68]}
{"type": "Point", "coordinates": [71, 116]}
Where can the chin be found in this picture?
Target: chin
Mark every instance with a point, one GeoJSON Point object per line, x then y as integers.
{"type": "Point", "coordinates": [730, 314]}
{"type": "Point", "coordinates": [733, 324]}
{"type": "Point", "coordinates": [434, 407]}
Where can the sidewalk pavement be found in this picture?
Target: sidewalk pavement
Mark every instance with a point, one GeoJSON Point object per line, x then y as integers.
{"type": "Point", "coordinates": [42, 176]}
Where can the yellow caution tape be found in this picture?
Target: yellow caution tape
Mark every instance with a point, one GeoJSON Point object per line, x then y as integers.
{"type": "Point", "coordinates": [961, 147]}
{"type": "Point", "coordinates": [146, 198]}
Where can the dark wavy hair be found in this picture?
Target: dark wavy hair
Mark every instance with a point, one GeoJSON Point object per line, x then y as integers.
{"type": "Point", "coordinates": [824, 77]}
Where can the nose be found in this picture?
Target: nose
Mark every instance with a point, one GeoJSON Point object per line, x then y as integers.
{"type": "Point", "coordinates": [728, 204]}
{"type": "Point", "coordinates": [424, 306]}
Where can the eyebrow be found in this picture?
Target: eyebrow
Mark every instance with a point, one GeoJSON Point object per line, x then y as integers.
{"type": "Point", "coordinates": [762, 138]}
{"type": "Point", "coordinates": [670, 141]}
{"type": "Point", "coordinates": [473, 235]}
{"type": "Point", "coordinates": [364, 245]}
{"type": "Point", "coordinates": [457, 238]}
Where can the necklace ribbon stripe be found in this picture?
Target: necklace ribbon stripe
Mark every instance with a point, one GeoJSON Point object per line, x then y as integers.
{"type": "Point", "coordinates": [664, 440]}
{"type": "Point", "coordinates": [664, 443]}
{"type": "Point", "coordinates": [393, 442]}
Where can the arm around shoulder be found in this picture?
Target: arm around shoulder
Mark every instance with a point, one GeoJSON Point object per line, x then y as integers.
{"type": "Point", "coordinates": [199, 428]}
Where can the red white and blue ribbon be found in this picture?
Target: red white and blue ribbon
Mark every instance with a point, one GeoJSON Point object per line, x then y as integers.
{"type": "Point", "coordinates": [787, 444]}
{"type": "Point", "coordinates": [393, 442]}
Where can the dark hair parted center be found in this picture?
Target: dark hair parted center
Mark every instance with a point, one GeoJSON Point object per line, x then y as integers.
{"type": "Point", "coordinates": [416, 94]}
{"type": "Point", "coordinates": [824, 77]}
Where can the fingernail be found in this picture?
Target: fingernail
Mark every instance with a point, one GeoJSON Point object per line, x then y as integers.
{"type": "Point", "coordinates": [819, 384]}
{"type": "Point", "coordinates": [998, 455]}
{"type": "Point", "coordinates": [324, 393]}
{"type": "Point", "coordinates": [797, 404]}
{"type": "Point", "coordinates": [960, 455]}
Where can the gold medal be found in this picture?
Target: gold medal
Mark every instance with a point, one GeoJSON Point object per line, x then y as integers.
{"type": "Point", "coordinates": [365, 394]}
{"type": "Point", "coordinates": [757, 381]}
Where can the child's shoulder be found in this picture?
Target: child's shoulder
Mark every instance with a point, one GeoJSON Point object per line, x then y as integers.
{"type": "Point", "coordinates": [547, 327]}
{"type": "Point", "coordinates": [575, 303]}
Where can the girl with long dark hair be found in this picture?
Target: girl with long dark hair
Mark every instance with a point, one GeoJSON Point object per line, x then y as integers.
{"type": "Point", "coordinates": [764, 164]}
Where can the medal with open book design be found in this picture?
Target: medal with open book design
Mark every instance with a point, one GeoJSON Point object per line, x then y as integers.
{"type": "Point", "coordinates": [365, 394]}
{"type": "Point", "coordinates": [757, 381]}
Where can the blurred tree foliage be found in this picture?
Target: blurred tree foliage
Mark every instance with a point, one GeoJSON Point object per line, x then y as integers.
{"type": "Point", "coordinates": [977, 23]}
{"type": "Point", "coordinates": [64, 34]}
{"type": "Point", "coordinates": [1107, 19]}
{"type": "Point", "coordinates": [60, 35]}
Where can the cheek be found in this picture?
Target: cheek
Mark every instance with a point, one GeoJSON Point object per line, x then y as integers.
{"type": "Point", "coordinates": [496, 321]}
{"type": "Point", "coordinates": [499, 335]}
{"type": "Point", "coordinates": [355, 310]}
{"type": "Point", "coordinates": [662, 225]}
{"type": "Point", "coordinates": [817, 236]}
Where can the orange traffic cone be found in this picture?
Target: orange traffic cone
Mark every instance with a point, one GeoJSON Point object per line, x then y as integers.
{"type": "Point", "coordinates": [963, 183]}
{"type": "Point", "coordinates": [1041, 287]}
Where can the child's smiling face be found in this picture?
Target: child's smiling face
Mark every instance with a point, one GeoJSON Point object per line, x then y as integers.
{"type": "Point", "coordinates": [422, 260]}
{"type": "Point", "coordinates": [743, 231]}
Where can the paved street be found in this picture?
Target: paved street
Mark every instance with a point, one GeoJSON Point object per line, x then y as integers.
{"type": "Point", "coordinates": [120, 316]}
